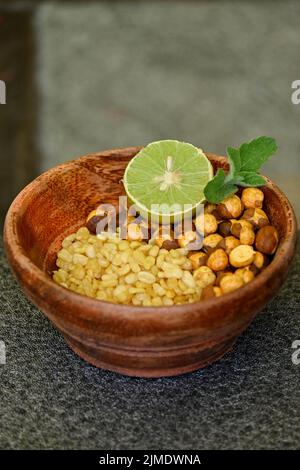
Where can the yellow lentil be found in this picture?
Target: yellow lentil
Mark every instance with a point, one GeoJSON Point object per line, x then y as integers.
{"type": "Point", "coordinates": [122, 271]}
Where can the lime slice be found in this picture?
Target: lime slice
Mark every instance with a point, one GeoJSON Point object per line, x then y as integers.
{"type": "Point", "coordinates": [167, 178]}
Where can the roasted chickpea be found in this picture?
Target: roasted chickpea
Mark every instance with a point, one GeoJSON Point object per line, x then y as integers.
{"type": "Point", "coordinates": [134, 232]}
{"type": "Point", "coordinates": [231, 282]}
{"type": "Point", "coordinates": [211, 241]}
{"type": "Point", "coordinates": [204, 276]}
{"type": "Point", "coordinates": [267, 240]}
{"type": "Point", "coordinates": [170, 245]}
{"type": "Point", "coordinates": [220, 275]}
{"type": "Point", "coordinates": [247, 236]}
{"type": "Point", "coordinates": [95, 217]}
{"type": "Point", "coordinates": [228, 244]}
{"type": "Point", "coordinates": [252, 197]}
{"type": "Point", "coordinates": [217, 260]}
{"type": "Point", "coordinates": [198, 223]}
{"type": "Point", "coordinates": [210, 224]}
{"type": "Point", "coordinates": [186, 238]}
{"type": "Point", "coordinates": [210, 291]}
{"type": "Point", "coordinates": [246, 274]}
{"type": "Point", "coordinates": [209, 208]}
{"type": "Point", "coordinates": [259, 260]}
{"type": "Point", "coordinates": [217, 215]}
{"type": "Point", "coordinates": [137, 229]}
{"type": "Point", "coordinates": [241, 256]}
{"type": "Point", "coordinates": [236, 226]}
{"type": "Point", "coordinates": [224, 228]}
{"type": "Point", "coordinates": [92, 221]}
{"type": "Point", "coordinates": [231, 207]}
{"type": "Point", "coordinates": [198, 259]}
{"type": "Point", "coordinates": [257, 217]}
{"type": "Point", "coordinates": [165, 237]}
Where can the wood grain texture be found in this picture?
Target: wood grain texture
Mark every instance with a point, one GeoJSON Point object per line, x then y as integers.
{"type": "Point", "coordinates": [138, 341]}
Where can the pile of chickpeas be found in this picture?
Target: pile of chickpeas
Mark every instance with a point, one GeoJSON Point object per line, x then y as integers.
{"type": "Point", "coordinates": [238, 244]}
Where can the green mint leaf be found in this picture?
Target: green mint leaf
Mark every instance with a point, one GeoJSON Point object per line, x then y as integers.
{"type": "Point", "coordinates": [250, 178]}
{"type": "Point", "coordinates": [218, 189]}
{"type": "Point", "coordinates": [253, 154]}
{"type": "Point", "coordinates": [244, 163]}
{"type": "Point", "coordinates": [234, 161]}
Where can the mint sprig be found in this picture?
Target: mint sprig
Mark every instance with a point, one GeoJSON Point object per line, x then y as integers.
{"type": "Point", "coordinates": [244, 163]}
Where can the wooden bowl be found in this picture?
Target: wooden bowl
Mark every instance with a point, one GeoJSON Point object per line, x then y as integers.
{"type": "Point", "coordinates": [137, 341]}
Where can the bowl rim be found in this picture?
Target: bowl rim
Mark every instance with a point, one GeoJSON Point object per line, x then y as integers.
{"type": "Point", "coordinates": [90, 307]}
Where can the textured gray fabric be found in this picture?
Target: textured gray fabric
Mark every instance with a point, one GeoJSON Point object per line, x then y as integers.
{"type": "Point", "coordinates": [51, 399]}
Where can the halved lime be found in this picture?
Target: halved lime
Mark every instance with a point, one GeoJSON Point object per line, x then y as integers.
{"type": "Point", "coordinates": [167, 178]}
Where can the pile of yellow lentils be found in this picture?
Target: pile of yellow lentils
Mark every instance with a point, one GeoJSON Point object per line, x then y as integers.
{"type": "Point", "coordinates": [237, 245]}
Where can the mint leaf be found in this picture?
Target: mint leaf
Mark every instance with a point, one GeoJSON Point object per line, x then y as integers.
{"type": "Point", "coordinates": [249, 178]}
{"type": "Point", "coordinates": [253, 154]}
{"type": "Point", "coordinates": [244, 163]}
{"type": "Point", "coordinates": [234, 160]}
{"type": "Point", "coordinates": [218, 189]}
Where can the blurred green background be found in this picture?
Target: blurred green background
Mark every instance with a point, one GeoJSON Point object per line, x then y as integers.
{"type": "Point", "coordinates": [89, 75]}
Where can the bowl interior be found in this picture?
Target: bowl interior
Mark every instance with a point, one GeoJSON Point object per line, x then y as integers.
{"type": "Point", "coordinates": [57, 203]}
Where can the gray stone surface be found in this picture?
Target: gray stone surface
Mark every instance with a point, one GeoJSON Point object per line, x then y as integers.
{"type": "Point", "coordinates": [212, 73]}
{"type": "Point", "coordinates": [51, 399]}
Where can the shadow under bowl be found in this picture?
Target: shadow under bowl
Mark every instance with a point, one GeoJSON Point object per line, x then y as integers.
{"type": "Point", "coordinates": [132, 340]}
